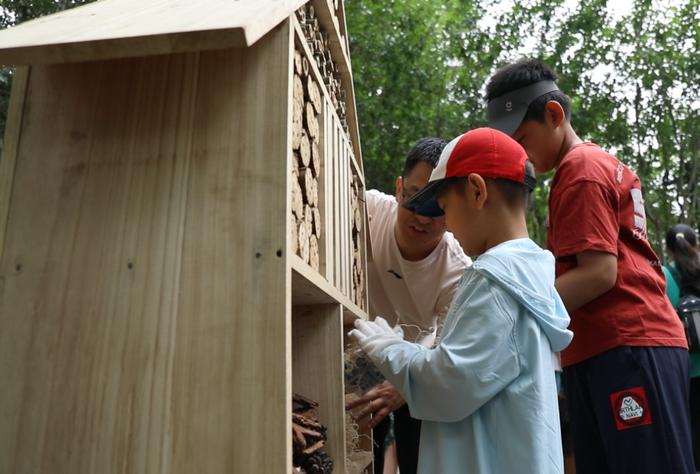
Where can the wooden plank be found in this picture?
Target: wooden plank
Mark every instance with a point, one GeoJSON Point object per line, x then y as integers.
{"type": "Point", "coordinates": [236, 283]}
{"type": "Point", "coordinates": [140, 308]}
{"type": "Point", "coordinates": [323, 195]}
{"type": "Point", "coordinates": [10, 146]}
{"type": "Point", "coordinates": [356, 167]}
{"type": "Point", "coordinates": [337, 241]}
{"type": "Point", "coordinates": [317, 348]}
{"type": "Point", "coordinates": [91, 267]}
{"type": "Point", "coordinates": [343, 28]}
{"type": "Point", "coordinates": [345, 215]}
{"type": "Point", "coordinates": [364, 249]}
{"type": "Point", "coordinates": [327, 196]}
{"type": "Point", "coordinates": [308, 288]}
{"type": "Point", "coordinates": [128, 28]}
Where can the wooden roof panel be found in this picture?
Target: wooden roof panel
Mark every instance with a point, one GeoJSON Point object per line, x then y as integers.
{"type": "Point", "coordinates": [123, 28]}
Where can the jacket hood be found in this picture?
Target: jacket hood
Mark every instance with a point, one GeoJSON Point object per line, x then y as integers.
{"type": "Point", "coordinates": [526, 272]}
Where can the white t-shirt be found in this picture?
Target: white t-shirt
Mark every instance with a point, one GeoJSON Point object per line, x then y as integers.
{"type": "Point", "coordinates": [413, 294]}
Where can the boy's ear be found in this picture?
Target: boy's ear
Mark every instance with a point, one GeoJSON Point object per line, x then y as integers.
{"type": "Point", "coordinates": [476, 190]}
{"type": "Point", "coordinates": [554, 113]}
{"type": "Point", "coordinates": [399, 186]}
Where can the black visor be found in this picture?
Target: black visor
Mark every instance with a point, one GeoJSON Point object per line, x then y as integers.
{"type": "Point", "coordinates": [507, 111]}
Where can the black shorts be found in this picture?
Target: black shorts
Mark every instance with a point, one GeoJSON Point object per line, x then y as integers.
{"type": "Point", "coordinates": [629, 412]}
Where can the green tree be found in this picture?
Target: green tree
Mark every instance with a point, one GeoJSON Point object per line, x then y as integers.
{"type": "Point", "coordinates": [419, 67]}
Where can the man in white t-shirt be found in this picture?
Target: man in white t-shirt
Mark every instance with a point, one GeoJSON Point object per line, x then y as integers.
{"type": "Point", "coordinates": [412, 276]}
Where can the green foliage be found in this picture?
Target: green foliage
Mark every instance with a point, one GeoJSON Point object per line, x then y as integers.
{"type": "Point", "coordinates": [418, 67]}
{"type": "Point", "coordinates": [632, 77]}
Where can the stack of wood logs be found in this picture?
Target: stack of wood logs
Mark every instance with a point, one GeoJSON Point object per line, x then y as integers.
{"type": "Point", "coordinates": [358, 279]}
{"type": "Point", "coordinates": [306, 163]}
{"type": "Point", "coordinates": [318, 42]}
{"type": "Point", "coordinates": [308, 438]}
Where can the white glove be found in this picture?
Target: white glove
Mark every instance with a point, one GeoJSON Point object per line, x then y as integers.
{"type": "Point", "coordinates": [374, 336]}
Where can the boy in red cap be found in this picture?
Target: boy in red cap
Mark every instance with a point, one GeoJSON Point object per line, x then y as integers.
{"type": "Point", "coordinates": [626, 371]}
{"type": "Point", "coordinates": [486, 393]}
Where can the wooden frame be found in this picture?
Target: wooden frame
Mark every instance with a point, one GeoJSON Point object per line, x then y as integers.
{"type": "Point", "coordinates": [155, 318]}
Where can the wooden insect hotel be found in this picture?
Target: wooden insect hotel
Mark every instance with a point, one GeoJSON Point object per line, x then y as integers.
{"type": "Point", "coordinates": [182, 238]}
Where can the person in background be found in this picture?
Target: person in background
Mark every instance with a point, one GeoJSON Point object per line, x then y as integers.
{"type": "Point", "coordinates": [683, 277]}
{"type": "Point", "coordinates": [413, 273]}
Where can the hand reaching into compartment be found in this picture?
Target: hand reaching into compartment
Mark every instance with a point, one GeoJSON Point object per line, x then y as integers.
{"type": "Point", "coordinates": [377, 402]}
{"type": "Point", "coordinates": [375, 336]}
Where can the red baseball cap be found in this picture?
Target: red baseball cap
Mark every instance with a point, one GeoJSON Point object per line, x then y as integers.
{"type": "Point", "coordinates": [484, 151]}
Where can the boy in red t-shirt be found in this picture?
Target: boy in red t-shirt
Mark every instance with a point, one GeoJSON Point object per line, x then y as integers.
{"type": "Point", "coordinates": [626, 371]}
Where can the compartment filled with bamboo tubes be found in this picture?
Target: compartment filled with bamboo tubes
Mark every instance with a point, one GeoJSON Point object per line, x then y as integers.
{"type": "Point", "coordinates": [306, 163]}
{"type": "Point", "coordinates": [318, 42]}
{"type": "Point", "coordinates": [358, 276]}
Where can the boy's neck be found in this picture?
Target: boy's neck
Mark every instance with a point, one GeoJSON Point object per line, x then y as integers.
{"type": "Point", "coordinates": [570, 140]}
{"type": "Point", "coordinates": [511, 225]}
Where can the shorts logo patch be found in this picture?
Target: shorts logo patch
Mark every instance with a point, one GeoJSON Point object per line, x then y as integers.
{"type": "Point", "coordinates": [630, 408]}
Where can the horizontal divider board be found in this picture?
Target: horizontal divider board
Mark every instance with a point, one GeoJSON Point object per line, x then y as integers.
{"type": "Point", "coordinates": [308, 287]}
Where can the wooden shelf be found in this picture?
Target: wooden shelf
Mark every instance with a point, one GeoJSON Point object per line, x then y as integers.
{"type": "Point", "coordinates": [310, 288]}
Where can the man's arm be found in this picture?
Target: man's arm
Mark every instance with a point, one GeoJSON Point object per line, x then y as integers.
{"type": "Point", "coordinates": [594, 275]}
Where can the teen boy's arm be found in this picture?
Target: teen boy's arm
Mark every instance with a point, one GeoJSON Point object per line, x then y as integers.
{"type": "Point", "coordinates": [595, 274]}
{"type": "Point", "coordinates": [584, 229]}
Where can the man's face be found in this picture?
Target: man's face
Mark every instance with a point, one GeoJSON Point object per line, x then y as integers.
{"type": "Point", "coordinates": [413, 229]}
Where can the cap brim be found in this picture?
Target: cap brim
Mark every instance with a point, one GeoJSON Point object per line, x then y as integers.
{"type": "Point", "coordinates": [507, 123]}
{"type": "Point", "coordinates": [424, 202]}
{"type": "Point", "coordinates": [507, 111]}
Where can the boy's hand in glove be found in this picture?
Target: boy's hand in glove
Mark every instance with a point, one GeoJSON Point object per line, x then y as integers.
{"type": "Point", "coordinates": [375, 336]}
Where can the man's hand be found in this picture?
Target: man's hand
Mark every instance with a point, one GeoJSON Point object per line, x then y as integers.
{"type": "Point", "coordinates": [378, 402]}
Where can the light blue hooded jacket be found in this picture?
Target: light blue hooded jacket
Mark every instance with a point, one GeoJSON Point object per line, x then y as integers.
{"type": "Point", "coordinates": [487, 393]}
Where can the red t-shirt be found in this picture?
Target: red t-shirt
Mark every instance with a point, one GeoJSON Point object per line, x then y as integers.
{"type": "Point", "coordinates": [596, 204]}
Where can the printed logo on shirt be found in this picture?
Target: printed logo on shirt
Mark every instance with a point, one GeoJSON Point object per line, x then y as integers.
{"type": "Point", "coordinates": [639, 227]}
{"type": "Point", "coordinates": [630, 408]}
{"type": "Point", "coordinates": [620, 170]}
{"type": "Point", "coordinates": [393, 272]}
